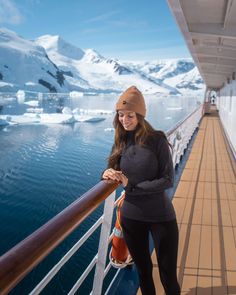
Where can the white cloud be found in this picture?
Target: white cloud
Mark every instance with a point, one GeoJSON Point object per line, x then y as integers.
{"type": "Point", "coordinates": [9, 13]}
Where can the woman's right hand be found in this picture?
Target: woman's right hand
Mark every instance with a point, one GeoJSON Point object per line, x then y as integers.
{"type": "Point", "coordinates": [112, 174]}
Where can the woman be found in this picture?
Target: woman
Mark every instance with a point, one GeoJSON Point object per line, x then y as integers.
{"type": "Point", "coordinates": [141, 160]}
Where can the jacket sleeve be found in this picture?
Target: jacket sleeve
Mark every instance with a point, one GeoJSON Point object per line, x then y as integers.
{"type": "Point", "coordinates": [165, 177]}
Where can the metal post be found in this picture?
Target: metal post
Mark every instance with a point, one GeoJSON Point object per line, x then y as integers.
{"type": "Point", "coordinates": [103, 245]}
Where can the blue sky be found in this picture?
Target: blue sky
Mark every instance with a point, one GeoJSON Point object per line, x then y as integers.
{"type": "Point", "coordinates": [123, 29]}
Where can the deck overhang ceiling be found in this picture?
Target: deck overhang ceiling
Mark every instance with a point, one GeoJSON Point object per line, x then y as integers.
{"type": "Point", "coordinates": [209, 29]}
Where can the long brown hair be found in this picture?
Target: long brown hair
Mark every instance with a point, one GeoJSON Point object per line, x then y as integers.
{"type": "Point", "coordinates": [142, 132]}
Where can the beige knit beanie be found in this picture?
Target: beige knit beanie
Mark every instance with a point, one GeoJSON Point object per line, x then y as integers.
{"type": "Point", "coordinates": [132, 100]}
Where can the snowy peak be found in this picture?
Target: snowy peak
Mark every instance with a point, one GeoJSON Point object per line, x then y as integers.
{"type": "Point", "coordinates": [9, 39]}
{"type": "Point", "coordinates": [118, 68]}
{"type": "Point", "coordinates": [25, 65]}
{"type": "Point", "coordinates": [93, 56]}
{"type": "Point", "coordinates": [180, 74]}
{"type": "Point", "coordinates": [176, 67]}
{"type": "Point", "coordinates": [57, 44]}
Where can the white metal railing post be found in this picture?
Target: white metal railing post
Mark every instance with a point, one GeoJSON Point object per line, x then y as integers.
{"type": "Point", "coordinates": [103, 245]}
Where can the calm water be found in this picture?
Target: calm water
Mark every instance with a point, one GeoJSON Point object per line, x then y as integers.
{"type": "Point", "coordinates": [44, 168]}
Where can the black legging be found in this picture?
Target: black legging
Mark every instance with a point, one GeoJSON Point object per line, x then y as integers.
{"type": "Point", "coordinates": [165, 237]}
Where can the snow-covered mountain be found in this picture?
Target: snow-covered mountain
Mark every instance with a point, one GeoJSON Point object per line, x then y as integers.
{"type": "Point", "coordinates": [181, 74]}
{"type": "Point", "coordinates": [25, 65]}
{"type": "Point", "coordinates": [51, 64]}
{"type": "Point", "coordinates": [91, 71]}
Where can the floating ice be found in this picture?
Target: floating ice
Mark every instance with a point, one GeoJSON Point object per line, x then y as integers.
{"type": "Point", "coordinates": [76, 111]}
{"type": "Point", "coordinates": [18, 119]}
{"type": "Point", "coordinates": [67, 110]}
{"type": "Point", "coordinates": [20, 96]}
{"type": "Point", "coordinates": [174, 108]}
{"type": "Point", "coordinates": [35, 110]}
{"type": "Point", "coordinates": [85, 118]}
{"type": "Point", "coordinates": [76, 94]}
{"type": "Point", "coordinates": [92, 112]}
{"type": "Point", "coordinates": [57, 118]}
{"type": "Point", "coordinates": [109, 129]}
{"type": "Point", "coordinates": [6, 100]}
{"type": "Point", "coordinates": [34, 118]}
{"type": "Point", "coordinates": [31, 115]}
{"type": "Point", "coordinates": [32, 103]}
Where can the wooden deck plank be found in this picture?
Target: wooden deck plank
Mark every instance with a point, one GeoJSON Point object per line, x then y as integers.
{"type": "Point", "coordinates": [214, 212]}
{"type": "Point", "coordinates": [232, 208]}
{"type": "Point", "coordinates": [180, 205]}
{"type": "Point", "coordinates": [216, 251]}
{"type": "Point", "coordinates": [230, 249]}
{"type": "Point", "coordinates": [225, 213]}
{"type": "Point", "coordinates": [207, 190]}
{"type": "Point", "coordinates": [231, 191]}
{"type": "Point", "coordinates": [188, 282]}
{"type": "Point", "coordinates": [193, 248]}
{"type": "Point", "coordinates": [201, 186]}
{"type": "Point", "coordinates": [205, 258]}
{"type": "Point", "coordinates": [182, 235]}
{"type": "Point", "coordinates": [183, 189]}
{"type": "Point", "coordinates": [231, 275]}
{"type": "Point", "coordinates": [207, 212]}
{"type": "Point", "coordinates": [204, 285]}
{"type": "Point", "coordinates": [187, 211]}
{"type": "Point", "coordinates": [198, 210]}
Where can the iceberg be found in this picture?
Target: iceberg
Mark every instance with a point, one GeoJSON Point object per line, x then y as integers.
{"type": "Point", "coordinates": [54, 118]}
{"type": "Point", "coordinates": [34, 110]}
{"type": "Point", "coordinates": [109, 129]}
{"type": "Point", "coordinates": [31, 115]}
{"type": "Point", "coordinates": [92, 112]}
{"type": "Point", "coordinates": [84, 118]}
{"type": "Point", "coordinates": [6, 100]}
{"type": "Point", "coordinates": [21, 119]}
{"type": "Point", "coordinates": [20, 94]}
{"type": "Point", "coordinates": [32, 103]}
{"type": "Point", "coordinates": [67, 110]}
{"type": "Point", "coordinates": [76, 94]}
{"type": "Point", "coordinates": [57, 119]}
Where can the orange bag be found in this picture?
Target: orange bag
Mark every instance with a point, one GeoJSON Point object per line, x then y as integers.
{"type": "Point", "coordinates": [119, 255]}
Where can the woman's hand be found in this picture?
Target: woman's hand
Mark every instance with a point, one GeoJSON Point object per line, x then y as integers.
{"type": "Point", "coordinates": [115, 175]}
{"type": "Point", "coordinates": [112, 174]}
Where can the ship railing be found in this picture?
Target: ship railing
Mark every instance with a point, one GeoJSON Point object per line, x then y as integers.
{"type": "Point", "coordinates": [21, 259]}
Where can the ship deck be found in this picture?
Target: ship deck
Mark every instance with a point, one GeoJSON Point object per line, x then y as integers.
{"type": "Point", "coordinates": [205, 204]}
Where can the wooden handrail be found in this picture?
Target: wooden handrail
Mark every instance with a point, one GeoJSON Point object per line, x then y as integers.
{"type": "Point", "coordinates": [21, 259]}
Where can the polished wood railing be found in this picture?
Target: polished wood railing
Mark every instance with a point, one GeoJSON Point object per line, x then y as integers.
{"type": "Point", "coordinates": [21, 259]}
